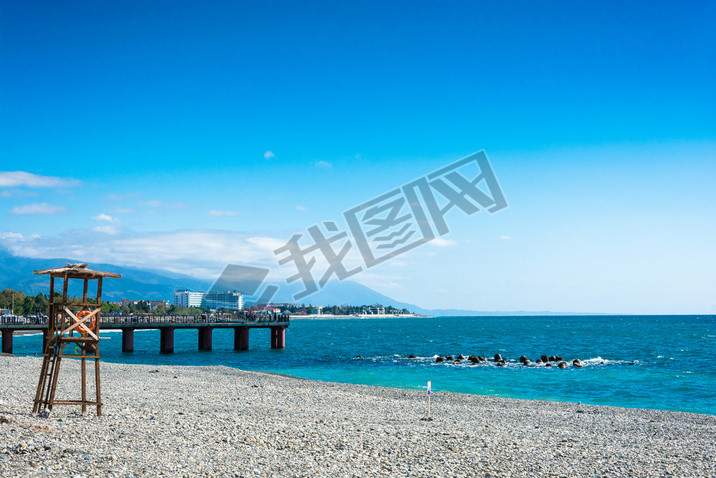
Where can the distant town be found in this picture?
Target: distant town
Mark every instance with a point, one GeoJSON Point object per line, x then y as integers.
{"type": "Point", "coordinates": [16, 303]}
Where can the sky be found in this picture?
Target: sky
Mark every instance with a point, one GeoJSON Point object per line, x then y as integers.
{"type": "Point", "coordinates": [185, 136]}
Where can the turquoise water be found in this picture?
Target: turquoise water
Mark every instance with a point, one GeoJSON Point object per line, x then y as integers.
{"type": "Point", "coordinates": [660, 362]}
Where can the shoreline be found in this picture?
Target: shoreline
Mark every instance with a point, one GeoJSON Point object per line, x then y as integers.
{"type": "Point", "coordinates": [359, 316]}
{"type": "Point", "coordinates": [220, 421]}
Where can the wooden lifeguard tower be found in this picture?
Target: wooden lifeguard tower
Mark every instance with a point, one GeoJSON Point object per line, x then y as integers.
{"type": "Point", "coordinates": [71, 322]}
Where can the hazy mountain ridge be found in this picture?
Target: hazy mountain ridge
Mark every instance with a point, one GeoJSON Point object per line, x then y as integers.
{"type": "Point", "coordinates": [136, 284]}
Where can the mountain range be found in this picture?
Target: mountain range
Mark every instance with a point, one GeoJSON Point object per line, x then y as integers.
{"type": "Point", "coordinates": [138, 284]}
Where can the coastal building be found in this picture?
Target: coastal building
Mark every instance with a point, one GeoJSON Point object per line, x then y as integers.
{"type": "Point", "coordinates": [373, 311]}
{"type": "Point", "coordinates": [154, 304]}
{"type": "Point", "coordinates": [185, 298]}
{"type": "Point", "coordinates": [224, 300]}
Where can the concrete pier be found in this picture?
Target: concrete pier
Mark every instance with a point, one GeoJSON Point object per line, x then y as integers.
{"type": "Point", "coordinates": [127, 340]}
{"type": "Point", "coordinates": [204, 338]}
{"type": "Point", "coordinates": [278, 337]}
{"type": "Point", "coordinates": [7, 341]}
{"type": "Point", "coordinates": [241, 338]}
{"type": "Point", "coordinates": [241, 323]}
{"type": "Point", "coordinates": [166, 345]}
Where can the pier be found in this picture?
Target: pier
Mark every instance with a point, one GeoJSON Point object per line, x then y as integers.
{"type": "Point", "coordinates": [167, 324]}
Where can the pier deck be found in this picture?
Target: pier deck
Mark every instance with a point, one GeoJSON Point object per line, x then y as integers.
{"type": "Point", "coordinates": [241, 323]}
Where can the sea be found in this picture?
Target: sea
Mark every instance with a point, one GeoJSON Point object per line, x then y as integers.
{"type": "Point", "coordinates": [665, 362]}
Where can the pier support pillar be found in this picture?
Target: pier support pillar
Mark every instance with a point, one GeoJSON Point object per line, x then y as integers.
{"type": "Point", "coordinates": [127, 340]}
{"type": "Point", "coordinates": [167, 341]}
{"type": "Point", "coordinates": [7, 341]}
{"type": "Point", "coordinates": [241, 338]}
{"type": "Point", "coordinates": [204, 338]}
{"type": "Point", "coordinates": [278, 337]}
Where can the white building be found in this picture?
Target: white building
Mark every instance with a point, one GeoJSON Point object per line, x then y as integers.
{"type": "Point", "coordinates": [224, 300]}
{"type": "Point", "coordinates": [184, 298]}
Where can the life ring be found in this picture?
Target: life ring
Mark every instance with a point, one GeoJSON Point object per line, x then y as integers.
{"type": "Point", "coordinates": [87, 326]}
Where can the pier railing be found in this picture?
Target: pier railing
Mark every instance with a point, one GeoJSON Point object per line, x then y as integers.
{"type": "Point", "coordinates": [241, 322]}
{"type": "Point", "coordinates": [150, 319]}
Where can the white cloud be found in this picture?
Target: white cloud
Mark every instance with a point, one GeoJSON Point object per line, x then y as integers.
{"type": "Point", "coordinates": [11, 235]}
{"type": "Point", "coordinates": [440, 242]}
{"type": "Point", "coordinates": [505, 238]}
{"type": "Point", "coordinates": [199, 253]}
{"type": "Point", "coordinates": [42, 209]}
{"type": "Point", "coordinates": [17, 193]}
{"type": "Point", "coordinates": [219, 213]}
{"type": "Point", "coordinates": [102, 217]}
{"type": "Point", "coordinates": [300, 208]}
{"type": "Point", "coordinates": [17, 237]}
{"type": "Point", "coordinates": [22, 178]}
{"type": "Point", "coordinates": [323, 164]}
{"type": "Point", "coordinates": [123, 210]}
{"type": "Point", "coordinates": [269, 155]}
{"type": "Point", "coordinates": [108, 229]}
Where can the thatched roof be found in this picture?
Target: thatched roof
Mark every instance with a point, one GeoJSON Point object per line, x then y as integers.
{"type": "Point", "coordinates": [77, 271]}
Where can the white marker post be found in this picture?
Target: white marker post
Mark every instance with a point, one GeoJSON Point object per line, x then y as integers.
{"type": "Point", "coordinates": [429, 418]}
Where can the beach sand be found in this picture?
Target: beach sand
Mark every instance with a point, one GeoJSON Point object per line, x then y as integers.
{"type": "Point", "coordinates": [219, 421]}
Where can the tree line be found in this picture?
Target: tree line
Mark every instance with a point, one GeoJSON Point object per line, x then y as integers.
{"type": "Point", "coordinates": [37, 304]}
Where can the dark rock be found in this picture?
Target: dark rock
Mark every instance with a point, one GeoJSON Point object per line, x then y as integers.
{"type": "Point", "coordinates": [548, 364]}
{"type": "Point", "coordinates": [552, 358]}
{"type": "Point", "coordinates": [449, 357]}
{"type": "Point", "coordinates": [524, 359]}
{"type": "Point", "coordinates": [559, 358]}
{"type": "Point", "coordinates": [439, 359]}
{"type": "Point", "coordinates": [577, 363]}
{"type": "Point", "coordinates": [461, 357]}
{"type": "Point", "coordinates": [481, 358]}
{"type": "Point", "coordinates": [473, 359]}
{"type": "Point", "coordinates": [544, 359]}
{"type": "Point", "coordinates": [539, 360]}
{"type": "Point", "coordinates": [562, 364]}
{"type": "Point", "coordinates": [412, 356]}
{"type": "Point", "coordinates": [527, 362]}
{"type": "Point", "coordinates": [498, 357]}
{"type": "Point", "coordinates": [501, 363]}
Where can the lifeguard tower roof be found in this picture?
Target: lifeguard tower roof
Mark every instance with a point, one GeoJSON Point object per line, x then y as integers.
{"type": "Point", "coordinates": [77, 271]}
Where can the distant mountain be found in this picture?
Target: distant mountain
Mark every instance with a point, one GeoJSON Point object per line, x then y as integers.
{"type": "Point", "coordinates": [344, 293]}
{"type": "Point", "coordinates": [136, 284]}
{"type": "Point", "coordinates": [16, 273]}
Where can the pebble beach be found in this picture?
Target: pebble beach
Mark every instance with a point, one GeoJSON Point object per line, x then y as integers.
{"type": "Point", "coordinates": [221, 421]}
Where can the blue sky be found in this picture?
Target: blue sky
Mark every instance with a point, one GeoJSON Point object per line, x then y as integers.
{"type": "Point", "coordinates": [188, 135]}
